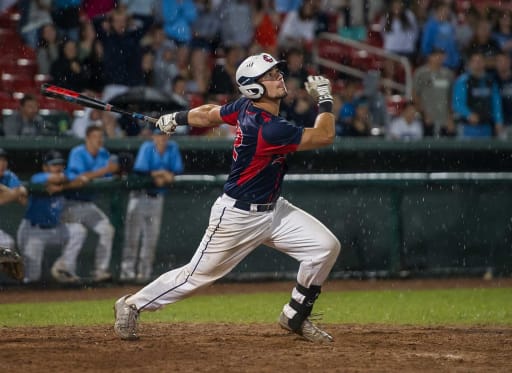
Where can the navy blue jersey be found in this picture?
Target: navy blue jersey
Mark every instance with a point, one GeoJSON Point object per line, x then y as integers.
{"type": "Point", "coordinates": [43, 210]}
{"type": "Point", "coordinates": [259, 151]}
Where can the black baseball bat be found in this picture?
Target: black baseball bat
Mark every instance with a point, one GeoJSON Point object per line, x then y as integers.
{"type": "Point", "coordinates": [84, 100]}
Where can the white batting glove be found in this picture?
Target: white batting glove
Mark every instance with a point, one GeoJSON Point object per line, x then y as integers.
{"type": "Point", "coordinates": [167, 123]}
{"type": "Point", "coordinates": [319, 88]}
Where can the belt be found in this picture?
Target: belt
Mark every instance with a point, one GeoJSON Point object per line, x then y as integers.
{"type": "Point", "coordinates": [254, 207]}
{"type": "Point", "coordinates": [152, 194]}
{"type": "Point", "coordinates": [42, 226]}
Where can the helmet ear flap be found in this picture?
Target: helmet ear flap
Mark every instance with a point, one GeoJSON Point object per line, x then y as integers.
{"type": "Point", "coordinates": [252, 91]}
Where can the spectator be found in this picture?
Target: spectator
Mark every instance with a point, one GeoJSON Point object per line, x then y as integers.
{"type": "Point", "coordinates": [87, 39]}
{"type": "Point", "coordinates": [91, 117]}
{"type": "Point", "coordinates": [11, 190]}
{"type": "Point", "coordinates": [41, 225]}
{"type": "Point", "coordinates": [223, 79]}
{"type": "Point", "coordinates": [348, 108]}
{"type": "Point", "coordinates": [122, 50]}
{"type": "Point", "coordinates": [236, 23]}
{"type": "Point", "coordinates": [148, 68]}
{"type": "Point", "coordinates": [376, 100]}
{"type": "Point", "coordinates": [476, 101]}
{"type": "Point", "coordinates": [87, 162]}
{"type": "Point", "coordinates": [67, 71]}
{"type": "Point", "coordinates": [407, 125]}
{"type": "Point", "coordinates": [165, 69]}
{"type": "Point", "coordinates": [178, 92]}
{"type": "Point", "coordinates": [66, 17]}
{"type": "Point", "coordinates": [503, 32]}
{"type": "Point", "coordinates": [483, 43]}
{"type": "Point", "coordinates": [160, 159]}
{"type": "Point", "coordinates": [360, 125]}
{"type": "Point", "coordinates": [47, 49]}
{"type": "Point", "coordinates": [432, 88]}
{"type": "Point", "coordinates": [298, 28]}
{"type": "Point", "coordinates": [504, 81]}
{"type": "Point", "coordinates": [205, 39]}
{"type": "Point", "coordinates": [439, 32]}
{"type": "Point", "coordinates": [34, 14]}
{"type": "Point", "coordinates": [178, 17]}
{"type": "Point", "coordinates": [111, 128]}
{"type": "Point", "coordinates": [93, 67]}
{"type": "Point", "coordinates": [94, 8]}
{"type": "Point", "coordinates": [27, 122]}
{"type": "Point", "coordinates": [143, 7]}
{"type": "Point", "coordinates": [295, 66]}
{"type": "Point", "coordinates": [285, 6]}
{"type": "Point", "coordinates": [399, 30]}
{"type": "Point", "coordinates": [266, 25]}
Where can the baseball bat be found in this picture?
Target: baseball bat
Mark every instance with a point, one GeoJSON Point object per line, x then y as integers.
{"type": "Point", "coordinates": [84, 100]}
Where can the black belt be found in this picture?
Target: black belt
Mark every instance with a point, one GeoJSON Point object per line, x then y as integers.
{"type": "Point", "coordinates": [256, 207]}
{"type": "Point", "coordinates": [41, 226]}
{"type": "Point", "coordinates": [152, 194]}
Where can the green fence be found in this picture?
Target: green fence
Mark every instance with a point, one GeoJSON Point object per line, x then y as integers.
{"type": "Point", "coordinates": [389, 224]}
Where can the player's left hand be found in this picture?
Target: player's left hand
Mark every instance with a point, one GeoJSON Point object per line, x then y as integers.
{"type": "Point", "coordinates": [167, 123]}
{"type": "Point", "coordinates": [319, 88]}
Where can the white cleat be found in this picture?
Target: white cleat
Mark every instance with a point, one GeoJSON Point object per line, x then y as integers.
{"type": "Point", "coordinates": [126, 315]}
{"type": "Point", "coordinates": [308, 330]}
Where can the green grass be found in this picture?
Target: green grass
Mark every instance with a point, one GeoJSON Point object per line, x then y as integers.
{"type": "Point", "coordinates": [426, 307]}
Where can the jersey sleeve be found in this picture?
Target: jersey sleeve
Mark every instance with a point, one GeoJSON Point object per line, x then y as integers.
{"type": "Point", "coordinates": [229, 112]}
{"type": "Point", "coordinates": [280, 137]}
{"type": "Point", "coordinates": [14, 181]}
{"type": "Point", "coordinates": [39, 178]}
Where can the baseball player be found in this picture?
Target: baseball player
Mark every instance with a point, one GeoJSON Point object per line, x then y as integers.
{"type": "Point", "coordinates": [87, 162]}
{"type": "Point", "coordinates": [251, 211]}
{"type": "Point", "coordinates": [161, 159]}
{"type": "Point", "coordinates": [11, 190]}
{"type": "Point", "coordinates": [41, 224]}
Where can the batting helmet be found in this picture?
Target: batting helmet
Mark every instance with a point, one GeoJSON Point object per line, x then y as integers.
{"type": "Point", "coordinates": [250, 70]}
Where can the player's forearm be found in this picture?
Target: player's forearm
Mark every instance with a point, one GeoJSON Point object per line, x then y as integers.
{"type": "Point", "coordinates": [322, 134]}
{"type": "Point", "coordinates": [205, 116]}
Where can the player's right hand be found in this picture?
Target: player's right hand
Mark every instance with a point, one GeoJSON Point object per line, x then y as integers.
{"type": "Point", "coordinates": [167, 123]}
{"type": "Point", "coordinates": [319, 88]}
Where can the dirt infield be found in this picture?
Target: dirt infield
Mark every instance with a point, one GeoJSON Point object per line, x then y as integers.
{"type": "Point", "coordinates": [254, 347]}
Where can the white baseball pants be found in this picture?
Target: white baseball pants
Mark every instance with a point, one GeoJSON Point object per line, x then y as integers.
{"type": "Point", "coordinates": [78, 215]}
{"type": "Point", "coordinates": [142, 224]}
{"type": "Point", "coordinates": [231, 235]}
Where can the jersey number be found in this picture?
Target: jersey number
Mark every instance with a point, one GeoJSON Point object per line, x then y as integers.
{"type": "Point", "coordinates": [238, 141]}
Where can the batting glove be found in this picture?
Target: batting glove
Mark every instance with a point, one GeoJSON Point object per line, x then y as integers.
{"type": "Point", "coordinates": [167, 123]}
{"type": "Point", "coordinates": [319, 88]}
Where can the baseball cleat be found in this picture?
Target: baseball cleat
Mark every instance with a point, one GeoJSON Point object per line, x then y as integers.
{"type": "Point", "coordinates": [126, 315]}
{"type": "Point", "coordinates": [60, 274]}
{"type": "Point", "coordinates": [101, 276]}
{"type": "Point", "coordinates": [308, 330]}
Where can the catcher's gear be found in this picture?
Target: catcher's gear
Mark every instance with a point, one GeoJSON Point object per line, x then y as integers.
{"type": "Point", "coordinates": [250, 70]}
{"type": "Point", "coordinates": [167, 123]}
{"type": "Point", "coordinates": [11, 263]}
{"type": "Point", "coordinates": [319, 88]}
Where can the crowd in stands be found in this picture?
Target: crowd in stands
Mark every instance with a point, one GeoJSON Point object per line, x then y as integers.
{"type": "Point", "coordinates": [189, 50]}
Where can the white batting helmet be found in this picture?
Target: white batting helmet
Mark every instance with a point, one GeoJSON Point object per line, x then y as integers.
{"type": "Point", "coordinates": [250, 70]}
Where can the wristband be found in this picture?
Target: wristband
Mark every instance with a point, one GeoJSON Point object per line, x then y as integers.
{"type": "Point", "coordinates": [182, 118]}
{"type": "Point", "coordinates": [325, 107]}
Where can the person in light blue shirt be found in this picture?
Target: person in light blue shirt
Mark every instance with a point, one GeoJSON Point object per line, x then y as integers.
{"type": "Point", "coordinates": [439, 32]}
{"type": "Point", "coordinates": [87, 162]}
{"type": "Point", "coordinates": [476, 101]}
{"type": "Point", "coordinates": [11, 190]}
{"type": "Point", "coordinates": [161, 159]}
{"type": "Point", "coordinates": [41, 225]}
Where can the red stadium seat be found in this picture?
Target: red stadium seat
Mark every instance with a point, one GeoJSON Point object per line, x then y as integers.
{"type": "Point", "coordinates": [18, 83]}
